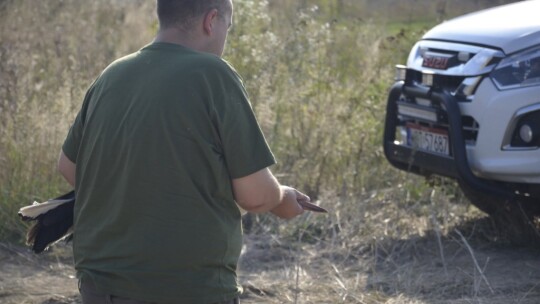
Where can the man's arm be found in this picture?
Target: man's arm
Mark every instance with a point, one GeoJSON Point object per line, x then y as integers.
{"type": "Point", "coordinates": [66, 168]}
{"type": "Point", "coordinates": [261, 192]}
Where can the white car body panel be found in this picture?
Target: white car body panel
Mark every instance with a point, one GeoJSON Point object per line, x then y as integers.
{"type": "Point", "coordinates": [487, 157]}
{"type": "Point", "coordinates": [511, 27]}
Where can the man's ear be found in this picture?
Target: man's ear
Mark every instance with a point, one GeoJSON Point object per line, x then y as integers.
{"type": "Point", "coordinates": [209, 21]}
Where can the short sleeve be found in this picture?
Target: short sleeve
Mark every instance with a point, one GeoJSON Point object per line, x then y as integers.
{"type": "Point", "coordinates": [245, 148]}
{"type": "Point", "coordinates": [73, 140]}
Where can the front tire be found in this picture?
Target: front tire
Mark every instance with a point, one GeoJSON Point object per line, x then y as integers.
{"type": "Point", "coordinates": [515, 219]}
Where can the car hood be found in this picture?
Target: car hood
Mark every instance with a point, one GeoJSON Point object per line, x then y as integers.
{"type": "Point", "coordinates": [511, 27]}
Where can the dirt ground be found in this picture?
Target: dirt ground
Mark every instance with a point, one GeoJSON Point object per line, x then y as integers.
{"type": "Point", "coordinates": [463, 267]}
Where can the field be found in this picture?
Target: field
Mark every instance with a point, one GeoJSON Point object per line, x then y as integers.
{"type": "Point", "coordinates": [317, 73]}
{"type": "Point", "coordinates": [412, 257]}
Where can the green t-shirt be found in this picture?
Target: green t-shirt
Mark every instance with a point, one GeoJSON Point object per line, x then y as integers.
{"type": "Point", "coordinates": [160, 135]}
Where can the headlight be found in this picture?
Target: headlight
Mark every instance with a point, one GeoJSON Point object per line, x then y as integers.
{"type": "Point", "coordinates": [519, 70]}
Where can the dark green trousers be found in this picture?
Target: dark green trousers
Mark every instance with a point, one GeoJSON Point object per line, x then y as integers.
{"type": "Point", "coordinates": [90, 295]}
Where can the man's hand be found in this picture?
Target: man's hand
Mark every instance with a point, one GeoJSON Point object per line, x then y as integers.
{"type": "Point", "coordinates": [289, 206]}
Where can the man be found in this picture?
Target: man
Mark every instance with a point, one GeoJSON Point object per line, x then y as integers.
{"type": "Point", "coordinates": [164, 147]}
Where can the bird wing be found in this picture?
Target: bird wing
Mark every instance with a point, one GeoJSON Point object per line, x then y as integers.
{"type": "Point", "coordinates": [31, 212]}
{"type": "Point", "coordinates": [53, 221]}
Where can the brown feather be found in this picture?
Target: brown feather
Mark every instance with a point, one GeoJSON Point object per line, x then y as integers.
{"type": "Point", "coordinates": [32, 233]}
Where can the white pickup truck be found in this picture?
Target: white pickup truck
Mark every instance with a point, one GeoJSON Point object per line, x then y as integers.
{"type": "Point", "coordinates": [467, 106]}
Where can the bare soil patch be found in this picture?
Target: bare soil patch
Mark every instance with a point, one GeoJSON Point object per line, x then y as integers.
{"type": "Point", "coordinates": [29, 278]}
{"type": "Point", "coordinates": [466, 266]}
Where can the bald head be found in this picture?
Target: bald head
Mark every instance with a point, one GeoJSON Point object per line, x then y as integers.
{"type": "Point", "coordinates": [183, 14]}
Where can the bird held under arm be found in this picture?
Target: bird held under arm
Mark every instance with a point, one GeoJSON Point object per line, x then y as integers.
{"type": "Point", "coordinates": [53, 221]}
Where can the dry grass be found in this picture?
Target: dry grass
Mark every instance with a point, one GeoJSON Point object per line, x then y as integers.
{"type": "Point", "coordinates": [318, 83]}
{"type": "Point", "coordinates": [431, 251]}
{"type": "Point", "coordinates": [392, 255]}
{"type": "Point", "coordinates": [50, 52]}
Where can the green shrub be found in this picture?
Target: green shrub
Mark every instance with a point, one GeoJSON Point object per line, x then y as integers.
{"type": "Point", "coordinates": [317, 81]}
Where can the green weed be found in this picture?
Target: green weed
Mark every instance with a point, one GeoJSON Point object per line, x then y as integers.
{"type": "Point", "coordinates": [317, 75]}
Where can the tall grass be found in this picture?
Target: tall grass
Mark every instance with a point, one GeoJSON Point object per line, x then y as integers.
{"type": "Point", "coordinates": [318, 86]}
{"type": "Point", "coordinates": [50, 51]}
{"type": "Point", "coordinates": [317, 80]}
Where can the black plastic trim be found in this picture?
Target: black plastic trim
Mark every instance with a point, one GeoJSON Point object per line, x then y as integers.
{"type": "Point", "coordinates": [407, 159]}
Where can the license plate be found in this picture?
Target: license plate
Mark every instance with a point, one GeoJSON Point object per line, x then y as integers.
{"type": "Point", "coordinates": [427, 139]}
